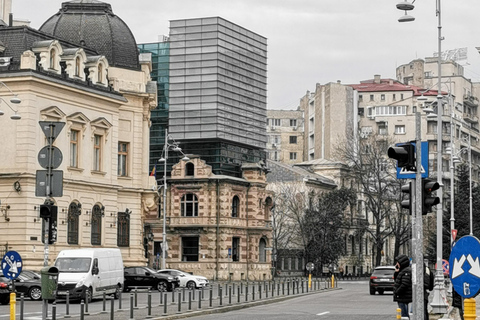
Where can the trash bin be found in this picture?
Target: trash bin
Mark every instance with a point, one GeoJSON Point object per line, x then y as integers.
{"type": "Point", "coordinates": [49, 282]}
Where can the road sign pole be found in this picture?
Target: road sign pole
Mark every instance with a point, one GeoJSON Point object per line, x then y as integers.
{"type": "Point", "coordinates": [417, 267]}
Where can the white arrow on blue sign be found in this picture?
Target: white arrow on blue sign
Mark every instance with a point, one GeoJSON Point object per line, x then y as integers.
{"type": "Point", "coordinates": [12, 265]}
{"type": "Point", "coordinates": [465, 266]}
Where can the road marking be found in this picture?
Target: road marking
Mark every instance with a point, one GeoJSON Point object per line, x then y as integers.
{"type": "Point", "coordinates": [323, 313]}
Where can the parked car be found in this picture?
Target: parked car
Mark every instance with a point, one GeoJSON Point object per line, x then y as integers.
{"type": "Point", "coordinates": [186, 279]}
{"type": "Point", "coordinates": [5, 290]}
{"type": "Point", "coordinates": [144, 277]}
{"type": "Point", "coordinates": [29, 283]}
{"type": "Point", "coordinates": [382, 279]}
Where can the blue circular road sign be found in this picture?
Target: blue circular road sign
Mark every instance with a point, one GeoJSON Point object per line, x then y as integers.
{"type": "Point", "coordinates": [12, 265]}
{"type": "Point", "coordinates": [465, 266]}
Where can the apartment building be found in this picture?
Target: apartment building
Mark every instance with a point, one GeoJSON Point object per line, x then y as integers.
{"type": "Point", "coordinates": [285, 136]}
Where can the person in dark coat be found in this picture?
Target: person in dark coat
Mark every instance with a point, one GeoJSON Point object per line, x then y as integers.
{"type": "Point", "coordinates": [402, 290]}
{"type": "Point", "coordinates": [428, 284]}
{"type": "Point", "coordinates": [457, 302]}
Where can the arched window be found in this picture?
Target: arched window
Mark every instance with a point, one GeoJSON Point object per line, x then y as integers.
{"type": "Point", "coordinates": [262, 254]}
{"type": "Point", "coordinates": [74, 210]}
{"type": "Point", "coordinates": [189, 205]}
{"type": "Point", "coordinates": [96, 223]}
{"type": "Point", "coordinates": [123, 229]}
{"type": "Point", "coordinates": [53, 58]}
{"type": "Point", "coordinates": [268, 207]}
{"type": "Point", "coordinates": [189, 169]}
{"type": "Point", "coordinates": [100, 73]}
{"type": "Point", "coordinates": [235, 206]}
{"type": "Point", "coordinates": [77, 66]}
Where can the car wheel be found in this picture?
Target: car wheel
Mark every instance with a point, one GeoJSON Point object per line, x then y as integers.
{"type": "Point", "coordinates": [372, 291]}
{"type": "Point", "coordinates": [191, 285]}
{"type": "Point", "coordinates": [35, 293]}
{"type": "Point", "coordinates": [118, 290]}
{"type": "Point", "coordinates": [380, 291]}
{"type": "Point", "coordinates": [162, 286]}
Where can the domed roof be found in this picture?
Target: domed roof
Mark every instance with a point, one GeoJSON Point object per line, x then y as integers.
{"type": "Point", "coordinates": [93, 24]}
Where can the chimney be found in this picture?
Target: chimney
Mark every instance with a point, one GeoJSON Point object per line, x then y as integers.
{"type": "Point", "coordinates": [391, 82]}
{"type": "Point", "coordinates": [376, 79]}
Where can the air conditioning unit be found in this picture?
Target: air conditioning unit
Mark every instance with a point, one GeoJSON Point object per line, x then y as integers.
{"type": "Point", "coordinates": [274, 145]}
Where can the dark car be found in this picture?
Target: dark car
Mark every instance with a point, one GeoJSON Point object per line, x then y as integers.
{"type": "Point", "coordinates": [144, 277]}
{"type": "Point", "coordinates": [5, 290]}
{"type": "Point", "coordinates": [382, 279]}
{"type": "Point", "coordinates": [29, 283]}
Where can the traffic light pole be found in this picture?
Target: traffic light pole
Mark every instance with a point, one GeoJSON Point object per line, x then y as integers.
{"type": "Point", "coordinates": [417, 266]}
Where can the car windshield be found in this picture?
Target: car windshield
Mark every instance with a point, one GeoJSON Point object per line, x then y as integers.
{"type": "Point", "coordinates": [73, 264]}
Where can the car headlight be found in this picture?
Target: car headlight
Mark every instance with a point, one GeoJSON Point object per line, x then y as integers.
{"type": "Point", "coordinates": [80, 283]}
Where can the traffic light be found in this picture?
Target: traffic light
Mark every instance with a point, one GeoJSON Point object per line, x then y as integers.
{"type": "Point", "coordinates": [407, 203]}
{"type": "Point", "coordinates": [404, 154]}
{"type": "Point", "coordinates": [52, 226]}
{"type": "Point", "coordinates": [428, 186]}
{"type": "Point", "coordinates": [47, 211]}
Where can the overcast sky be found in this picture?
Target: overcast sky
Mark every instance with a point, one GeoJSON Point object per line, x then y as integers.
{"type": "Point", "coordinates": [310, 41]}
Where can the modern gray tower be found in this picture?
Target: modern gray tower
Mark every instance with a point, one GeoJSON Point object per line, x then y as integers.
{"type": "Point", "coordinates": [217, 92]}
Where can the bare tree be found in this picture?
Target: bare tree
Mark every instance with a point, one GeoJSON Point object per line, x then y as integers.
{"type": "Point", "coordinates": [374, 176]}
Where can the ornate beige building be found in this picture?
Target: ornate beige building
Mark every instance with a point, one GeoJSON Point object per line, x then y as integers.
{"type": "Point", "coordinates": [217, 226]}
{"type": "Point", "coordinates": [104, 99]}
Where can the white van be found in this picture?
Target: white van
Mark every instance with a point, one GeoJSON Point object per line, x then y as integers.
{"type": "Point", "coordinates": [92, 270]}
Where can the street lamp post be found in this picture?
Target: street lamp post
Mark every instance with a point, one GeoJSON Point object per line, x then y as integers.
{"type": "Point", "coordinates": [438, 304]}
{"type": "Point", "coordinates": [14, 100]}
{"type": "Point", "coordinates": [174, 146]}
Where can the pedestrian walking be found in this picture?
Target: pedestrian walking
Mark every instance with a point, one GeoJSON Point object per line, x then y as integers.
{"type": "Point", "coordinates": [402, 290]}
{"type": "Point", "coordinates": [428, 284]}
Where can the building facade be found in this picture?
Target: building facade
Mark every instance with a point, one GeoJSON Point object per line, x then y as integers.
{"type": "Point", "coordinates": [216, 92]}
{"type": "Point", "coordinates": [103, 100]}
{"type": "Point", "coordinates": [285, 136]}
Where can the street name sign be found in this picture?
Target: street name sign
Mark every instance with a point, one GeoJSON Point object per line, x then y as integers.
{"type": "Point", "coordinates": [465, 266]}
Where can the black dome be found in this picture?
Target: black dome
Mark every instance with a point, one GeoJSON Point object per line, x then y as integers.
{"type": "Point", "coordinates": [93, 24]}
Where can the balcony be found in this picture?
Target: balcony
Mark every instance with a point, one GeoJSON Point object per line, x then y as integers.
{"type": "Point", "coordinates": [470, 100]}
{"type": "Point", "coordinates": [470, 118]}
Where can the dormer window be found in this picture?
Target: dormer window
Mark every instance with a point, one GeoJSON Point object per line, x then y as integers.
{"type": "Point", "coordinates": [53, 59]}
{"type": "Point", "coordinates": [100, 73]}
{"type": "Point", "coordinates": [78, 65]}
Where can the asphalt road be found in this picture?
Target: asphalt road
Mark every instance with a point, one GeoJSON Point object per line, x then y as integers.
{"type": "Point", "coordinates": [353, 302]}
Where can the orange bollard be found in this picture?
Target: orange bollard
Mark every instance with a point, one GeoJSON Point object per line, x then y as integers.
{"type": "Point", "coordinates": [399, 313]}
{"type": "Point", "coordinates": [469, 309]}
{"type": "Point", "coordinates": [13, 305]}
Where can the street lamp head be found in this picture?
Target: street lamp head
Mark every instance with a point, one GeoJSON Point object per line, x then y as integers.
{"type": "Point", "coordinates": [15, 116]}
{"type": "Point", "coordinates": [406, 18]}
{"type": "Point", "coordinates": [422, 98]}
{"type": "Point", "coordinates": [15, 100]}
{"type": "Point", "coordinates": [428, 110]}
{"type": "Point", "coordinates": [185, 158]}
{"type": "Point", "coordinates": [405, 5]}
{"type": "Point", "coordinates": [162, 159]}
{"type": "Point", "coordinates": [177, 149]}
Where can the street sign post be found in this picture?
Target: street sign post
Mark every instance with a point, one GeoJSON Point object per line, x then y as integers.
{"type": "Point", "coordinates": [465, 266]}
{"type": "Point", "coordinates": [54, 182]}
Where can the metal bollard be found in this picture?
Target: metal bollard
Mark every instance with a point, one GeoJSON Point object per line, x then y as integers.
{"type": "Point", "coordinates": [226, 288]}
{"type": "Point", "coordinates": [266, 290]}
{"type": "Point", "coordinates": [104, 310]}
{"type": "Point", "coordinates": [229, 295]}
{"type": "Point", "coordinates": [173, 296]}
{"type": "Point", "coordinates": [87, 295]}
{"type": "Point", "coordinates": [136, 298]}
{"type": "Point", "coordinates": [220, 295]}
{"type": "Point", "coordinates": [200, 300]}
{"type": "Point", "coordinates": [179, 302]}
{"type": "Point", "coordinates": [149, 304]}
{"type": "Point", "coordinates": [183, 294]}
{"type": "Point", "coordinates": [288, 287]}
{"type": "Point", "coordinates": [21, 305]}
{"type": "Point", "coordinates": [211, 297]}
{"type": "Point", "coordinates": [120, 301]}
{"type": "Point", "coordinates": [164, 304]}
{"type": "Point", "coordinates": [82, 311]}
{"type": "Point", "coordinates": [203, 293]}
{"type": "Point", "coordinates": [233, 288]}
{"type": "Point", "coordinates": [260, 291]}
{"type": "Point", "coordinates": [241, 287]}
{"type": "Point", "coordinates": [112, 308]}
{"type": "Point", "coordinates": [190, 300]}
{"type": "Point", "coordinates": [253, 292]}
{"type": "Point", "coordinates": [246, 293]}
{"type": "Point", "coordinates": [219, 287]}
{"type": "Point", "coordinates": [238, 294]}
{"type": "Point", "coordinates": [161, 299]}
{"type": "Point", "coordinates": [54, 311]}
{"type": "Point", "coordinates": [283, 288]}
{"type": "Point", "coordinates": [131, 306]}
